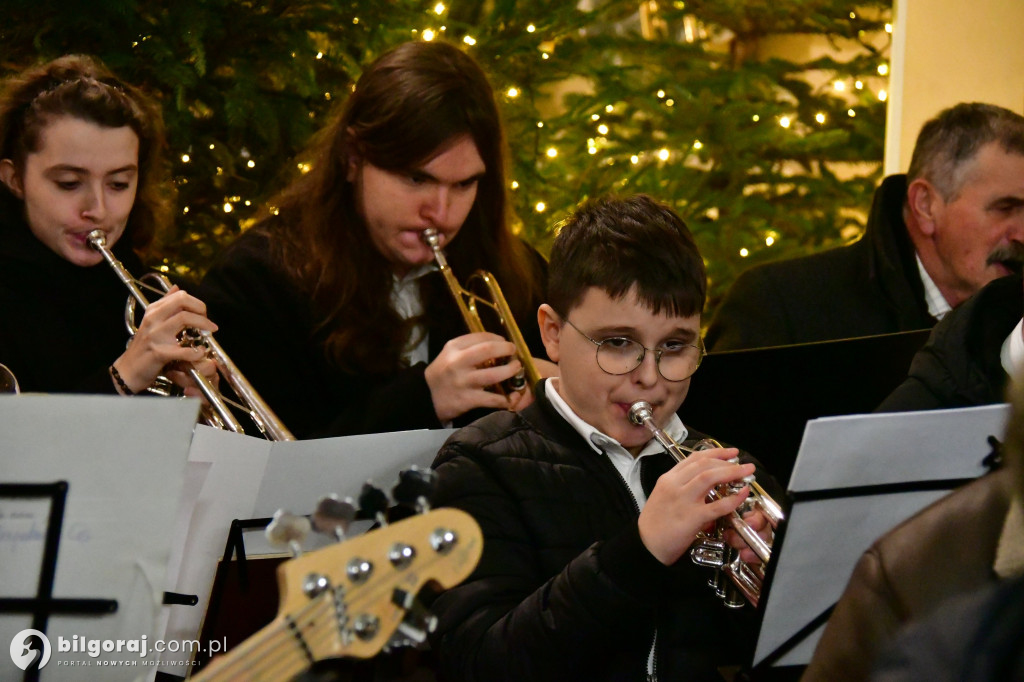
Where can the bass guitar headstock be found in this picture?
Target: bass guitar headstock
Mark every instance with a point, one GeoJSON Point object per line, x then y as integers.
{"type": "Point", "coordinates": [357, 597]}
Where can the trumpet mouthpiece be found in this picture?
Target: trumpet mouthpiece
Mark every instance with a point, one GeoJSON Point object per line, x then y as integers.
{"type": "Point", "coordinates": [97, 239]}
{"type": "Point", "coordinates": [640, 411]}
{"type": "Point", "coordinates": [430, 236]}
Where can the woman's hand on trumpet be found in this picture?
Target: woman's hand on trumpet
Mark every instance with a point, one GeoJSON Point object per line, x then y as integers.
{"type": "Point", "coordinates": [157, 346]}
{"type": "Point", "coordinates": [461, 374]}
{"type": "Point", "coordinates": [677, 508]}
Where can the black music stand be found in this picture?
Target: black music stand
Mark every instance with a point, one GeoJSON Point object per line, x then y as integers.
{"type": "Point", "coordinates": [850, 486]}
{"type": "Point", "coordinates": [44, 604]}
{"type": "Point", "coordinates": [761, 399]}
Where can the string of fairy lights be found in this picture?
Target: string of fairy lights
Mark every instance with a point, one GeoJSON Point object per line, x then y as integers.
{"type": "Point", "coordinates": [603, 126]}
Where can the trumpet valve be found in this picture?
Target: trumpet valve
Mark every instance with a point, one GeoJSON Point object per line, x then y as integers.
{"type": "Point", "coordinates": [710, 553]}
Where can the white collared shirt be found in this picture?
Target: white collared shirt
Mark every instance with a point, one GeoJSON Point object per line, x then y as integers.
{"type": "Point", "coordinates": [938, 306]}
{"type": "Point", "coordinates": [407, 302]}
{"type": "Point", "coordinates": [627, 465]}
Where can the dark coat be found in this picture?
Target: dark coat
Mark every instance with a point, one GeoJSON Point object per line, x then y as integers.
{"type": "Point", "coordinates": [869, 287]}
{"type": "Point", "coordinates": [61, 325]}
{"type": "Point", "coordinates": [960, 366]}
{"type": "Point", "coordinates": [268, 328]}
{"type": "Point", "coordinates": [975, 638]}
{"type": "Point", "coordinates": [565, 589]}
{"type": "Point", "coordinates": [947, 549]}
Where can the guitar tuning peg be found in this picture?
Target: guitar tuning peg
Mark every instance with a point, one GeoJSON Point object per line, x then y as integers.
{"type": "Point", "coordinates": [288, 530]}
{"type": "Point", "coordinates": [418, 621]}
{"type": "Point", "coordinates": [333, 515]}
{"type": "Point", "coordinates": [374, 502]}
{"type": "Point", "coordinates": [415, 487]}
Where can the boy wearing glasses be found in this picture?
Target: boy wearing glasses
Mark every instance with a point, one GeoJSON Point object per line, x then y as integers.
{"type": "Point", "coordinates": [586, 520]}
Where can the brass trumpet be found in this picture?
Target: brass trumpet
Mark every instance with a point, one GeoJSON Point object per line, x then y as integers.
{"type": "Point", "coordinates": [219, 413]}
{"type": "Point", "coordinates": [711, 550]}
{"type": "Point", "coordinates": [467, 301]}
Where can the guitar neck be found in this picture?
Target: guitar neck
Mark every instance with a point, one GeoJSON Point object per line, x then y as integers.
{"type": "Point", "coordinates": [276, 652]}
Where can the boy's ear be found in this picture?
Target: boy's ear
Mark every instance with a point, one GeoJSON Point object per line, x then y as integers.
{"type": "Point", "coordinates": [9, 176]}
{"type": "Point", "coordinates": [550, 330]}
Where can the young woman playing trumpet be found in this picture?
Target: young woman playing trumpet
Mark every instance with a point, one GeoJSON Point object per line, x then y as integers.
{"type": "Point", "coordinates": [82, 151]}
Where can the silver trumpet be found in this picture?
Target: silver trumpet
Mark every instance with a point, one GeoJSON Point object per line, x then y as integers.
{"type": "Point", "coordinates": [711, 550]}
{"type": "Point", "coordinates": [218, 413]}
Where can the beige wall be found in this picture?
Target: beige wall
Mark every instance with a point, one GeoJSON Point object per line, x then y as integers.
{"type": "Point", "coordinates": [949, 51]}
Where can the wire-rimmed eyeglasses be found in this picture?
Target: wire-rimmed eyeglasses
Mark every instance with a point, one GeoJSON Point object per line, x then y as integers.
{"type": "Point", "coordinates": [621, 355]}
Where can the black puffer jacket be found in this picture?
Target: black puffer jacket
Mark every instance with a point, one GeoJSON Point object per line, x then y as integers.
{"type": "Point", "coordinates": [565, 589]}
{"type": "Point", "coordinates": [960, 365]}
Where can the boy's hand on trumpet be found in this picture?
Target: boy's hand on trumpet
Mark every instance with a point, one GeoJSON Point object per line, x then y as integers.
{"type": "Point", "coordinates": [677, 508]}
{"type": "Point", "coordinates": [759, 523]}
{"type": "Point", "coordinates": [157, 345]}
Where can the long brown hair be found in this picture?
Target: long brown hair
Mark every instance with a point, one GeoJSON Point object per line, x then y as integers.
{"type": "Point", "coordinates": [81, 87]}
{"type": "Point", "coordinates": [408, 104]}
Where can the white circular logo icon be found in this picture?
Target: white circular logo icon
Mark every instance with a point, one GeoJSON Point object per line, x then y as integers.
{"type": "Point", "coordinates": [30, 649]}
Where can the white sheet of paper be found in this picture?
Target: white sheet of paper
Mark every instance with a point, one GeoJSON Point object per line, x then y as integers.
{"type": "Point", "coordinates": [824, 539]}
{"type": "Point", "coordinates": [301, 472]}
{"type": "Point", "coordinates": [124, 462]}
{"type": "Point", "coordinates": [236, 465]}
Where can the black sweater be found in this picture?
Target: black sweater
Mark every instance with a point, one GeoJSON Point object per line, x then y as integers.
{"type": "Point", "coordinates": [61, 325]}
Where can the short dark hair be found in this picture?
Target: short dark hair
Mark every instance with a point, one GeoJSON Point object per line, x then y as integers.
{"type": "Point", "coordinates": [81, 87]}
{"type": "Point", "coordinates": [617, 243]}
{"type": "Point", "coordinates": [947, 143]}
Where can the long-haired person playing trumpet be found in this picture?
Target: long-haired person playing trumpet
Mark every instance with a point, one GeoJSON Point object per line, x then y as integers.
{"type": "Point", "coordinates": [82, 151]}
{"type": "Point", "coordinates": [333, 305]}
{"type": "Point", "coordinates": [586, 518]}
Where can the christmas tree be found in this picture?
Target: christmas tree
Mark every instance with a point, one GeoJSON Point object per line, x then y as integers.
{"type": "Point", "coordinates": [760, 121]}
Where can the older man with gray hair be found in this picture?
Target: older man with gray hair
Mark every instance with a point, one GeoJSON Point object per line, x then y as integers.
{"type": "Point", "coordinates": [935, 236]}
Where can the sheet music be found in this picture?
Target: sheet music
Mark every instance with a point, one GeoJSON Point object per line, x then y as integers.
{"type": "Point", "coordinates": [824, 538]}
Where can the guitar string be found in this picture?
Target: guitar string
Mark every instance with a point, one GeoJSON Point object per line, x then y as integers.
{"type": "Point", "coordinates": [260, 647]}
